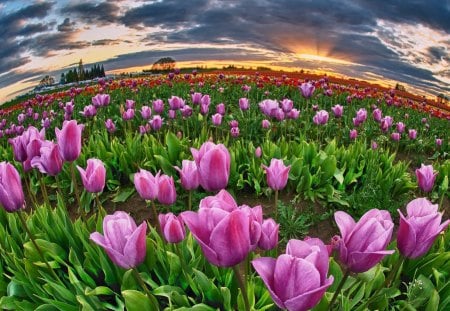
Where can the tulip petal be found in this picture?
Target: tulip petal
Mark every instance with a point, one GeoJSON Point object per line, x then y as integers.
{"type": "Point", "coordinates": [363, 261]}
{"type": "Point", "coordinates": [309, 299]}
{"type": "Point", "coordinates": [345, 223]}
{"type": "Point", "coordinates": [265, 267]}
{"type": "Point", "coordinates": [135, 248]}
{"type": "Point", "coordinates": [406, 236]}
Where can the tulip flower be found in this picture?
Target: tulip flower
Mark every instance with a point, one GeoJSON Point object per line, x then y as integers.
{"type": "Point", "coordinates": [222, 200]}
{"type": "Point", "coordinates": [438, 142]}
{"type": "Point", "coordinates": [175, 102]}
{"type": "Point", "coordinates": [94, 176]}
{"type": "Point", "coordinates": [129, 104]}
{"type": "Point", "coordinates": [172, 227]}
{"type": "Point", "coordinates": [123, 241]}
{"type": "Point", "coordinates": [258, 152]}
{"type": "Point", "coordinates": [353, 134]}
{"type": "Point", "coordinates": [158, 106]}
{"type": "Point", "coordinates": [69, 140]}
{"type": "Point", "coordinates": [321, 117]}
{"type": "Point", "coordinates": [425, 177]}
{"type": "Point", "coordinates": [146, 184]}
{"type": "Point", "coordinates": [363, 244]}
{"type": "Point", "coordinates": [265, 124]}
{"type": "Point", "coordinates": [167, 194]}
{"type": "Point", "coordinates": [307, 89]}
{"type": "Point", "coordinates": [89, 111]}
{"type": "Point", "coordinates": [216, 119]}
{"type": "Point", "coordinates": [100, 100]}
{"type": "Point", "coordinates": [374, 145]}
{"type": "Point", "coordinates": [49, 160]}
{"type": "Point", "coordinates": [128, 114]}
{"type": "Point", "coordinates": [269, 107]}
{"type": "Point", "coordinates": [412, 134]}
{"type": "Point", "coordinates": [298, 279]}
{"type": "Point", "coordinates": [419, 228]}
{"type": "Point", "coordinates": [338, 110]}
{"type": "Point", "coordinates": [220, 109]}
{"type": "Point", "coordinates": [20, 143]}
{"type": "Point", "coordinates": [400, 127]}
{"type": "Point", "coordinates": [213, 163]}
{"type": "Point", "coordinates": [269, 234]}
{"type": "Point", "coordinates": [277, 174]}
{"type": "Point", "coordinates": [361, 116]}
{"type": "Point", "coordinates": [146, 112]}
{"type": "Point", "coordinates": [293, 114]}
{"type": "Point", "coordinates": [188, 175]}
{"type": "Point", "coordinates": [110, 126]}
{"type": "Point", "coordinates": [225, 241]}
{"type": "Point", "coordinates": [244, 103]}
{"type": "Point", "coordinates": [234, 132]}
{"type": "Point", "coordinates": [395, 136]}
{"type": "Point", "coordinates": [287, 105]}
{"type": "Point", "coordinates": [377, 115]}
{"type": "Point", "coordinates": [156, 122]}
{"type": "Point", "coordinates": [196, 98]}
{"type": "Point", "coordinates": [11, 191]}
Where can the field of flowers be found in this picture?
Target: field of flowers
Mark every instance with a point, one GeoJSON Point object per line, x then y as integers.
{"type": "Point", "coordinates": [203, 192]}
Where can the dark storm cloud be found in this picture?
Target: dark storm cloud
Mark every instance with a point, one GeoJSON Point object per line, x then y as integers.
{"type": "Point", "coordinates": [32, 29]}
{"type": "Point", "coordinates": [45, 45]}
{"type": "Point", "coordinates": [102, 13]}
{"type": "Point", "coordinates": [106, 42]}
{"type": "Point", "coordinates": [66, 25]}
{"type": "Point", "coordinates": [438, 53]}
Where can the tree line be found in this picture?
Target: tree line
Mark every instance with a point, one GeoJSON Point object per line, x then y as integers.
{"type": "Point", "coordinates": [80, 74]}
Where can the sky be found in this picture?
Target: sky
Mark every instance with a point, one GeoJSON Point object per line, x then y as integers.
{"type": "Point", "coordinates": [390, 40]}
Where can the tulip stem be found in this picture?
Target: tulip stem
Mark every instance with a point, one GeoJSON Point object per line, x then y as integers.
{"type": "Point", "coordinates": [155, 216]}
{"type": "Point", "coordinates": [75, 187]}
{"type": "Point", "coordinates": [38, 249]}
{"type": "Point", "coordinates": [141, 282]}
{"type": "Point", "coordinates": [276, 205]}
{"type": "Point", "coordinates": [44, 190]}
{"type": "Point", "coordinates": [339, 288]}
{"type": "Point", "coordinates": [32, 198]}
{"type": "Point", "coordinates": [241, 283]}
{"type": "Point", "coordinates": [58, 186]}
{"type": "Point", "coordinates": [394, 271]}
{"type": "Point", "coordinates": [190, 200]}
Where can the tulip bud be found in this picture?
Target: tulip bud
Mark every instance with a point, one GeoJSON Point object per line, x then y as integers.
{"type": "Point", "coordinates": [11, 191]}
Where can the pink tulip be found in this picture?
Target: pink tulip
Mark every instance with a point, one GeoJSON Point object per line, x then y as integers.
{"type": "Point", "coordinates": [220, 109]}
{"type": "Point", "coordinates": [265, 124]}
{"type": "Point", "coordinates": [128, 114]}
{"type": "Point", "coordinates": [361, 116]}
{"type": "Point", "coordinates": [175, 102]}
{"type": "Point", "coordinates": [188, 175]}
{"type": "Point", "coordinates": [395, 136]}
{"type": "Point", "coordinates": [156, 122]}
{"type": "Point", "coordinates": [123, 241]}
{"type": "Point", "coordinates": [321, 117]}
{"type": "Point", "coordinates": [285, 276]}
{"type": "Point", "coordinates": [213, 163]}
{"type": "Point", "coordinates": [172, 227]}
{"type": "Point", "coordinates": [438, 142]}
{"type": "Point", "coordinates": [69, 140]}
{"type": "Point", "coordinates": [400, 127]}
{"type": "Point", "coordinates": [222, 200]}
{"type": "Point", "coordinates": [269, 234]}
{"type": "Point", "coordinates": [377, 115]}
{"type": "Point", "coordinates": [287, 105]}
{"type": "Point", "coordinates": [419, 228]}
{"type": "Point", "coordinates": [146, 112]}
{"type": "Point", "coordinates": [100, 100]}
{"type": "Point", "coordinates": [258, 152]}
{"type": "Point", "coordinates": [89, 111]}
{"type": "Point", "coordinates": [49, 160]}
{"type": "Point", "coordinates": [353, 134]}
{"type": "Point", "coordinates": [269, 107]}
{"type": "Point", "coordinates": [158, 106]}
{"type": "Point", "coordinates": [307, 89]}
{"type": "Point", "coordinates": [338, 110]}
{"type": "Point", "coordinates": [277, 174]}
{"type": "Point", "coordinates": [234, 132]}
{"type": "Point", "coordinates": [363, 244]}
{"type": "Point", "coordinates": [412, 134]}
{"type": "Point", "coordinates": [167, 193]}
{"type": "Point", "coordinates": [216, 119]}
{"type": "Point", "coordinates": [426, 177]}
{"type": "Point", "coordinates": [374, 145]}
{"type": "Point", "coordinates": [225, 240]}
{"type": "Point", "coordinates": [146, 184]}
{"type": "Point", "coordinates": [129, 104]}
{"type": "Point", "coordinates": [293, 114]}
{"type": "Point", "coordinates": [20, 143]}
{"type": "Point", "coordinates": [244, 103]}
{"type": "Point", "coordinates": [196, 98]}
{"type": "Point", "coordinates": [11, 191]}
{"type": "Point", "coordinates": [94, 176]}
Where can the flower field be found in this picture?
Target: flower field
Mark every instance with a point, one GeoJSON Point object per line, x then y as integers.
{"type": "Point", "coordinates": [193, 191]}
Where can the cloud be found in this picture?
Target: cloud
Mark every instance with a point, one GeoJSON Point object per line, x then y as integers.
{"type": "Point", "coordinates": [102, 13]}
{"type": "Point", "coordinates": [66, 25]}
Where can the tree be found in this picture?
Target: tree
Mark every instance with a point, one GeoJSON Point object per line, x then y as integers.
{"type": "Point", "coordinates": [164, 64]}
{"type": "Point", "coordinates": [46, 81]}
{"type": "Point", "coordinates": [62, 80]}
{"type": "Point", "coordinates": [80, 70]}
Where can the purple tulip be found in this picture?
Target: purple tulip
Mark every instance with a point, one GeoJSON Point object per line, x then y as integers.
{"type": "Point", "coordinates": [167, 193]}
{"type": "Point", "coordinates": [363, 244]}
{"type": "Point", "coordinates": [307, 89]}
{"type": "Point", "coordinates": [293, 114]}
{"type": "Point", "coordinates": [353, 134]}
{"type": "Point", "coordinates": [269, 107]}
{"type": "Point", "coordinates": [244, 103]}
{"type": "Point", "coordinates": [222, 200]}
{"type": "Point", "coordinates": [220, 108]}
{"type": "Point", "coordinates": [172, 114]}
{"type": "Point", "coordinates": [277, 174]}
{"type": "Point", "coordinates": [156, 122]}
{"type": "Point", "coordinates": [69, 140]}
{"type": "Point", "coordinates": [234, 132]}
{"type": "Point", "coordinates": [158, 106]}
{"type": "Point", "coordinates": [20, 143]}
{"type": "Point", "coordinates": [424, 120]}
{"type": "Point", "coordinates": [425, 177]}
{"type": "Point", "coordinates": [287, 105]}
{"type": "Point", "coordinates": [188, 175]}
{"type": "Point", "coordinates": [321, 117]}
{"type": "Point", "coordinates": [265, 124]}
{"type": "Point", "coordinates": [11, 191]}
{"type": "Point", "coordinates": [123, 241]}
{"type": "Point", "coordinates": [412, 134]}
{"type": "Point", "coordinates": [269, 234]}
{"type": "Point", "coordinates": [298, 279]}
{"type": "Point", "coordinates": [438, 142]}
{"type": "Point", "coordinates": [213, 163]}
{"type": "Point", "coordinates": [225, 240]}
{"type": "Point", "coordinates": [216, 119]}
{"type": "Point", "coordinates": [258, 152]}
{"type": "Point", "coordinates": [419, 228]}
{"type": "Point", "coordinates": [129, 104]}
{"type": "Point", "coordinates": [110, 126]}
{"type": "Point", "coordinates": [361, 116]}
{"type": "Point", "coordinates": [279, 114]}
{"type": "Point", "coordinates": [374, 145]}
{"type": "Point", "coordinates": [400, 127]}
{"type": "Point", "coordinates": [196, 98]}
{"type": "Point", "coordinates": [49, 160]}
{"type": "Point", "coordinates": [175, 102]}
{"type": "Point", "coordinates": [146, 184]}
{"type": "Point", "coordinates": [395, 136]}
{"type": "Point", "coordinates": [100, 100]}
{"type": "Point", "coordinates": [45, 124]}
{"type": "Point", "coordinates": [94, 176]}
{"type": "Point", "coordinates": [68, 108]}
{"type": "Point", "coordinates": [146, 112]}
{"type": "Point", "coordinates": [377, 115]}
{"type": "Point", "coordinates": [172, 227]}
{"type": "Point", "coordinates": [315, 107]}
{"type": "Point", "coordinates": [128, 114]}
{"type": "Point", "coordinates": [338, 110]}
{"type": "Point", "coordinates": [88, 111]}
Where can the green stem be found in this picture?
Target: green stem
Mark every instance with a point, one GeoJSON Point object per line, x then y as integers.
{"type": "Point", "coordinates": [38, 249]}
{"type": "Point", "coordinates": [341, 284]}
{"type": "Point", "coordinates": [141, 282]}
{"type": "Point", "coordinates": [44, 190]}
{"type": "Point", "coordinates": [58, 186]}
{"type": "Point", "coordinates": [394, 271]}
{"type": "Point", "coordinates": [276, 205]}
{"type": "Point", "coordinates": [190, 200]}
{"type": "Point", "coordinates": [242, 286]}
{"type": "Point", "coordinates": [155, 216]}
{"type": "Point", "coordinates": [32, 198]}
{"type": "Point", "coordinates": [75, 186]}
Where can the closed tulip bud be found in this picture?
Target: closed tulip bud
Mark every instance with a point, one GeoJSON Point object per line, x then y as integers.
{"type": "Point", "coordinates": [258, 152]}
{"type": "Point", "coordinates": [225, 241]}
{"type": "Point", "coordinates": [412, 134]}
{"type": "Point", "coordinates": [244, 103]}
{"type": "Point", "coordinates": [285, 278]}
{"type": "Point", "coordinates": [353, 134]}
{"type": "Point", "coordinates": [419, 228]}
{"type": "Point", "coordinates": [11, 191]}
{"type": "Point", "coordinates": [123, 241]}
{"type": "Point", "coordinates": [338, 110]}
{"type": "Point", "coordinates": [277, 174]}
{"type": "Point", "coordinates": [293, 114]}
{"type": "Point", "coordinates": [265, 124]}
{"type": "Point", "coordinates": [49, 160]}
{"type": "Point", "coordinates": [426, 177]}
{"type": "Point", "coordinates": [175, 102]}
{"type": "Point", "coordinates": [307, 89]}
{"type": "Point", "coordinates": [269, 107]}
{"type": "Point", "coordinates": [188, 175]}
{"type": "Point", "coordinates": [110, 126]}
{"type": "Point", "coordinates": [196, 98]}
{"type": "Point", "coordinates": [129, 104]}
{"type": "Point", "coordinates": [321, 117]}
{"type": "Point", "coordinates": [128, 114]}
{"type": "Point", "coordinates": [100, 100]}
{"type": "Point", "coordinates": [167, 193]}
{"type": "Point", "coordinates": [172, 114]}
{"type": "Point", "coordinates": [363, 244]}
{"type": "Point", "coordinates": [234, 132]}
{"type": "Point", "coordinates": [156, 122]}
{"type": "Point", "coordinates": [374, 145]}
{"type": "Point", "coordinates": [172, 227]}
{"type": "Point", "coordinates": [216, 119]}
{"type": "Point", "coordinates": [146, 184]}
{"type": "Point", "coordinates": [220, 108]}
{"type": "Point", "coordinates": [377, 115]}
{"type": "Point", "coordinates": [158, 106]}
{"type": "Point", "coordinates": [400, 127]}
{"type": "Point", "coordinates": [69, 140]}
{"type": "Point", "coordinates": [146, 112]}
{"type": "Point", "coordinates": [89, 111]}
{"type": "Point", "coordinates": [438, 142]}
{"type": "Point", "coordinates": [213, 163]}
{"type": "Point", "coordinates": [94, 176]}
{"type": "Point", "coordinates": [287, 105]}
{"type": "Point", "coordinates": [269, 234]}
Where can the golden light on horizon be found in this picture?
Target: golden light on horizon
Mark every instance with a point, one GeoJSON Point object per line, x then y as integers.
{"type": "Point", "coordinates": [321, 58]}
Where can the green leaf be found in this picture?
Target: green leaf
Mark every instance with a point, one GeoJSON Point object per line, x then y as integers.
{"type": "Point", "coordinates": [100, 290]}
{"type": "Point", "coordinates": [137, 301]}
{"type": "Point", "coordinates": [123, 195]}
{"type": "Point", "coordinates": [173, 146]}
